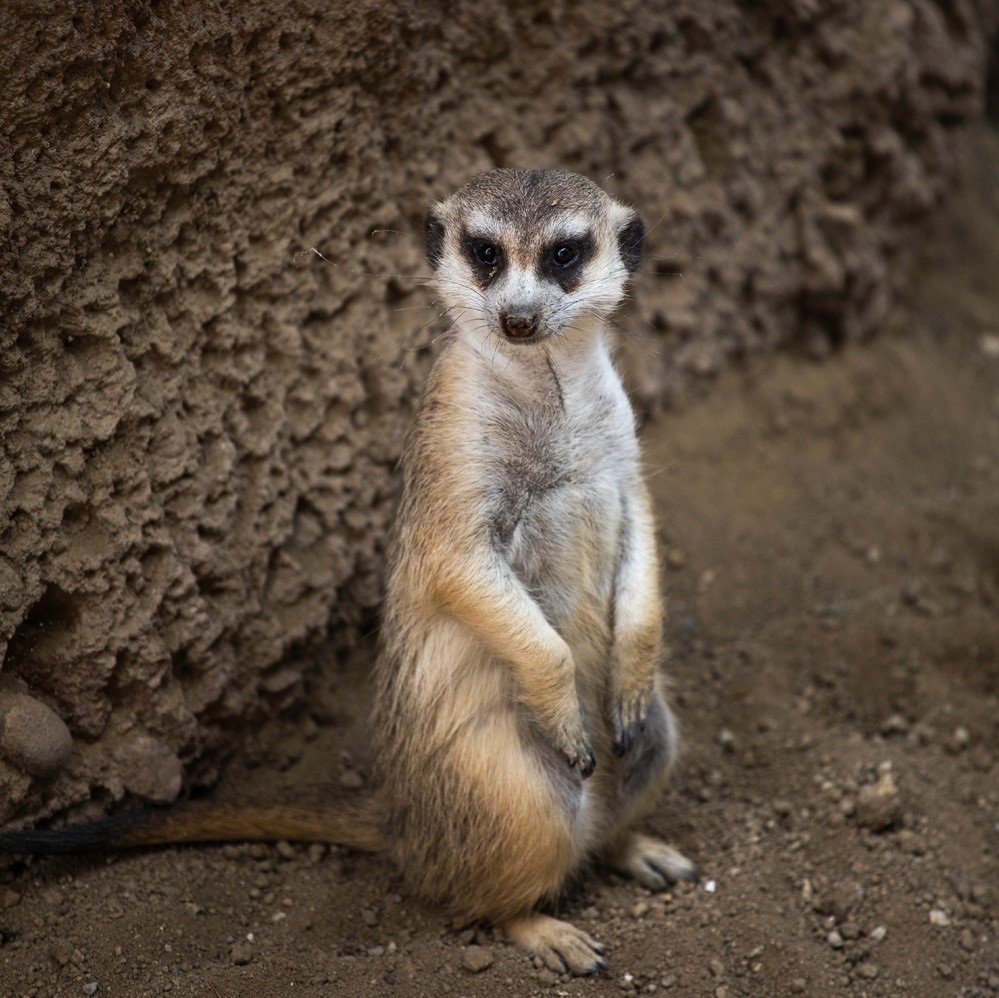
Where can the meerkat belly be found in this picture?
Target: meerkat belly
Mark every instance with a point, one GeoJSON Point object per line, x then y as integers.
{"type": "Point", "coordinates": [564, 548]}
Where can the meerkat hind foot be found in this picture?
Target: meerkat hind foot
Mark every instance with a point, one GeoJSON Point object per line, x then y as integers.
{"type": "Point", "coordinates": [560, 945]}
{"type": "Point", "coordinates": [653, 863]}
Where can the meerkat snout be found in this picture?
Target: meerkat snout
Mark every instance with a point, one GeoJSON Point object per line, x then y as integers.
{"type": "Point", "coordinates": [519, 325]}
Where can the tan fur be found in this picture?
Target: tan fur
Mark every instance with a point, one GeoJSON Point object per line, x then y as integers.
{"type": "Point", "coordinates": [523, 620]}
{"type": "Point", "coordinates": [353, 821]}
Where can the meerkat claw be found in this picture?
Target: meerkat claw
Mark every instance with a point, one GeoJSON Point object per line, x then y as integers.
{"type": "Point", "coordinates": [655, 864]}
{"type": "Point", "coordinates": [623, 741]}
{"type": "Point", "coordinates": [560, 946]}
{"type": "Point", "coordinates": [628, 717]}
{"type": "Point", "coordinates": [586, 763]}
{"type": "Point", "coordinates": [577, 750]}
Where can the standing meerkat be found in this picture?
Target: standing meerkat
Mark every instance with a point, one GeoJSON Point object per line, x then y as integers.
{"type": "Point", "coordinates": [521, 730]}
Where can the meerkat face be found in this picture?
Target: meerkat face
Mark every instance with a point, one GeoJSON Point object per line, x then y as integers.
{"type": "Point", "coordinates": [529, 254]}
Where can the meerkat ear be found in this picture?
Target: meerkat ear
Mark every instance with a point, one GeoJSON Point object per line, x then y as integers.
{"type": "Point", "coordinates": [630, 236]}
{"type": "Point", "coordinates": [433, 232]}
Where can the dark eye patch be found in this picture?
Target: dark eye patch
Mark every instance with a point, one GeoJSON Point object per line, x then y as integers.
{"type": "Point", "coordinates": [629, 243]}
{"type": "Point", "coordinates": [562, 261]}
{"type": "Point", "coordinates": [433, 232]}
{"type": "Point", "coordinates": [485, 257]}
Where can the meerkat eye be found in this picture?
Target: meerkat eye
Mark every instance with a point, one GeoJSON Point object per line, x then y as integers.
{"type": "Point", "coordinates": [562, 262]}
{"type": "Point", "coordinates": [485, 253]}
{"type": "Point", "coordinates": [565, 255]}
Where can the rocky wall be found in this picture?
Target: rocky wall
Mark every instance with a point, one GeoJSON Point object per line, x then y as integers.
{"type": "Point", "coordinates": [200, 416]}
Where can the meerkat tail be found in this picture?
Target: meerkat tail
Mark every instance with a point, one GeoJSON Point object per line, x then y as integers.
{"type": "Point", "coordinates": [352, 822]}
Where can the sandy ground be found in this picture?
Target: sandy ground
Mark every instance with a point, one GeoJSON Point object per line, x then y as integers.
{"type": "Point", "coordinates": [831, 551]}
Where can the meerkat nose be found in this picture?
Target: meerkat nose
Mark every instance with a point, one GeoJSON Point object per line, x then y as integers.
{"type": "Point", "coordinates": [519, 327]}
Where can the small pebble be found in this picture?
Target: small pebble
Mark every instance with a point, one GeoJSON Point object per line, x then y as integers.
{"type": "Point", "coordinates": [835, 940]}
{"type": "Point", "coordinates": [879, 933]}
{"type": "Point", "coordinates": [911, 842]}
{"type": "Point", "coordinates": [61, 952]}
{"type": "Point", "coordinates": [895, 725]}
{"type": "Point", "coordinates": [868, 971]}
{"type": "Point", "coordinates": [958, 741]}
{"type": "Point", "coordinates": [988, 343]}
{"type": "Point", "coordinates": [240, 954]}
{"type": "Point", "coordinates": [90, 988]}
{"type": "Point", "coordinates": [939, 917]}
{"type": "Point", "coordinates": [477, 958]}
{"type": "Point", "coordinates": [878, 805]}
{"type": "Point", "coordinates": [33, 738]}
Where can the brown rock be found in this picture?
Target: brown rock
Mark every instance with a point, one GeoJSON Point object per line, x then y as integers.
{"type": "Point", "coordinates": [32, 736]}
{"type": "Point", "coordinates": [201, 417]}
{"type": "Point", "coordinates": [476, 959]}
{"type": "Point", "coordinates": [240, 954]}
{"type": "Point", "coordinates": [878, 804]}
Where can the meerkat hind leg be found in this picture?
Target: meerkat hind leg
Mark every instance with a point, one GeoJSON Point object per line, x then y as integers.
{"type": "Point", "coordinates": [653, 863]}
{"type": "Point", "coordinates": [560, 945]}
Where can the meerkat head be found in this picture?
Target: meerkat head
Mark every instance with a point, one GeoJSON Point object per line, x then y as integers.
{"type": "Point", "coordinates": [528, 254]}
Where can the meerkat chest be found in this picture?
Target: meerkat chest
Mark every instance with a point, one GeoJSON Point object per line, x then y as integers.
{"type": "Point", "coordinates": [561, 473]}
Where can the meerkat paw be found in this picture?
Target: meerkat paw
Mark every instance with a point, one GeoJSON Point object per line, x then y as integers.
{"type": "Point", "coordinates": [571, 741]}
{"type": "Point", "coordinates": [628, 713]}
{"type": "Point", "coordinates": [654, 864]}
{"type": "Point", "coordinates": [562, 947]}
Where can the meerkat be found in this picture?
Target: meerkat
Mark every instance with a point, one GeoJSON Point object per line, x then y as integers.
{"type": "Point", "coordinates": [520, 726]}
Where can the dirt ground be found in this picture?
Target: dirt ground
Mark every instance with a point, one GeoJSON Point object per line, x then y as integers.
{"type": "Point", "coordinates": [831, 550]}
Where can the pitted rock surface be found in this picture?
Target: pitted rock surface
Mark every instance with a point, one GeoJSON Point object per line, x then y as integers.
{"type": "Point", "coordinates": [200, 417]}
